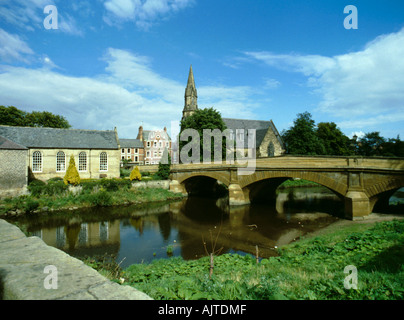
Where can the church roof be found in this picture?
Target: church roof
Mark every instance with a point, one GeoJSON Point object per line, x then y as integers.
{"type": "Point", "coordinates": [260, 126]}
{"type": "Point", "coordinates": [49, 138]}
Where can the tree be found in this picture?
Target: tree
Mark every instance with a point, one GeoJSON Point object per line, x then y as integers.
{"type": "Point", "coordinates": [135, 174]}
{"type": "Point", "coordinates": [333, 140]}
{"type": "Point", "coordinates": [371, 144]}
{"type": "Point", "coordinates": [301, 138]}
{"type": "Point", "coordinates": [164, 166]}
{"type": "Point", "coordinates": [12, 116]}
{"type": "Point", "coordinates": [72, 175]}
{"type": "Point", "coordinates": [393, 148]}
{"type": "Point", "coordinates": [202, 119]}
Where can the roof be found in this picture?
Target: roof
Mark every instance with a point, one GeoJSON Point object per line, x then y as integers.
{"type": "Point", "coordinates": [49, 138]}
{"type": "Point", "coordinates": [6, 144]}
{"type": "Point", "coordinates": [260, 126]}
{"type": "Point", "coordinates": [149, 135]}
{"type": "Point", "coordinates": [131, 143]}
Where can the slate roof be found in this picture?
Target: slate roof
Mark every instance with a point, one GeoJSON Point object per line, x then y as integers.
{"type": "Point", "coordinates": [131, 143]}
{"type": "Point", "coordinates": [6, 144]}
{"type": "Point", "coordinates": [260, 126]}
{"type": "Point", "coordinates": [149, 134]}
{"type": "Point", "coordinates": [50, 138]}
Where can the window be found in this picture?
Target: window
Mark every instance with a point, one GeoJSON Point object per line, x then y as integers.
{"type": "Point", "coordinates": [82, 161]}
{"type": "Point", "coordinates": [148, 144]}
{"type": "Point", "coordinates": [60, 162]}
{"type": "Point", "coordinates": [160, 144]}
{"type": "Point", "coordinates": [123, 150]}
{"type": "Point", "coordinates": [136, 158]}
{"type": "Point", "coordinates": [155, 143]}
{"type": "Point", "coordinates": [129, 150]}
{"type": "Point", "coordinates": [103, 161]}
{"type": "Point", "coordinates": [36, 162]}
{"type": "Point", "coordinates": [155, 154]}
{"type": "Point", "coordinates": [136, 150]}
{"type": "Point", "coordinates": [148, 154]}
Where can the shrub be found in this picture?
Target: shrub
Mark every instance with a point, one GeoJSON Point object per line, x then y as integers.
{"type": "Point", "coordinates": [135, 174]}
{"type": "Point", "coordinates": [31, 205]}
{"type": "Point", "coordinates": [36, 187]}
{"type": "Point", "coordinates": [72, 175]}
{"type": "Point", "coordinates": [101, 198]}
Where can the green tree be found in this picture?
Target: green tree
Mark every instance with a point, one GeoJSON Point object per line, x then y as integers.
{"type": "Point", "coordinates": [164, 165]}
{"type": "Point", "coordinates": [393, 148]}
{"type": "Point", "coordinates": [333, 140]}
{"type": "Point", "coordinates": [371, 144]}
{"type": "Point", "coordinates": [12, 116]}
{"type": "Point", "coordinates": [302, 138]}
{"type": "Point", "coordinates": [202, 119]}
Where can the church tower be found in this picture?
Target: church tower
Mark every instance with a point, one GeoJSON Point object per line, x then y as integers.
{"type": "Point", "coordinates": [191, 96]}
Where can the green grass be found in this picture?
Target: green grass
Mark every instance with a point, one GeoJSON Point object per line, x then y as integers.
{"type": "Point", "coordinates": [312, 269]}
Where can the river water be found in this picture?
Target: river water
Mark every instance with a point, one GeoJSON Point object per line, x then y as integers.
{"type": "Point", "coordinates": [190, 228]}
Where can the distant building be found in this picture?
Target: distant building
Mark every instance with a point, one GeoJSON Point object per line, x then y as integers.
{"type": "Point", "coordinates": [132, 150]}
{"type": "Point", "coordinates": [96, 153]}
{"type": "Point", "coordinates": [268, 141]}
{"type": "Point", "coordinates": [154, 142]}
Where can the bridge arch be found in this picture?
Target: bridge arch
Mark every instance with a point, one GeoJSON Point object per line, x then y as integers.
{"type": "Point", "coordinates": [322, 179]}
{"type": "Point", "coordinates": [223, 177]}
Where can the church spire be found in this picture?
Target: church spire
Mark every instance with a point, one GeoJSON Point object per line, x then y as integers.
{"type": "Point", "coordinates": [191, 96]}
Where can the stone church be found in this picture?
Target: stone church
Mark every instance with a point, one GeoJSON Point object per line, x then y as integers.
{"type": "Point", "coordinates": [268, 141]}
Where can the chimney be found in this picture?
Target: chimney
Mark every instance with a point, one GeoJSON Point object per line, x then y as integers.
{"type": "Point", "coordinates": [140, 134]}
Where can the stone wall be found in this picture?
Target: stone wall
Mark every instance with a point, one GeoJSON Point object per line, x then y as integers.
{"type": "Point", "coordinates": [27, 263]}
{"type": "Point", "coordinates": [13, 172]}
{"type": "Point", "coordinates": [93, 163]}
{"type": "Point", "coordinates": [277, 148]}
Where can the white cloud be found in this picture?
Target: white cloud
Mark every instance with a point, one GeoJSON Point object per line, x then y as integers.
{"type": "Point", "coordinates": [364, 87]}
{"type": "Point", "coordinates": [127, 94]}
{"type": "Point", "coordinates": [143, 12]}
{"type": "Point", "coordinates": [13, 48]}
{"type": "Point", "coordinates": [29, 15]}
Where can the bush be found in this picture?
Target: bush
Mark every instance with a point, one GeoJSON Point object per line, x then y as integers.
{"type": "Point", "coordinates": [31, 205]}
{"type": "Point", "coordinates": [135, 174]}
{"type": "Point", "coordinates": [101, 198]}
{"type": "Point", "coordinates": [36, 187]}
{"type": "Point", "coordinates": [72, 175]}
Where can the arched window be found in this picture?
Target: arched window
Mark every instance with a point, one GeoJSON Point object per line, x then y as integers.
{"type": "Point", "coordinates": [103, 161]}
{"type": "Point", "coordinates": [82, 161]}
{"type": "Point", "coordinates": [37, 162]}
{"type": "Point", "coordinates": [60, 162]}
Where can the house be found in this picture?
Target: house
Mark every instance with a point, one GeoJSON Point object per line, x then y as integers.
{"type": "Point", "coordinates": [97, 153]}
{"type": "Point", "coordinates": [268, 141]}
{"type": "Point", "coordinates": [155, 142]}
{"type": "Point", "coordinates": [132, 150]}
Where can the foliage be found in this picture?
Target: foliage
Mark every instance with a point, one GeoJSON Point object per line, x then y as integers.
{"type": "Point", "coordinates": [12, 116]}
{"type": "Point", "coordinates": [312, 269]}
{"type": "Point", "coordinates": [164, 168]}
{"type": "Point", "coordinates": [301, 138]}
{"type": "Point", "coordinates": [135, 174]}
{"type": "Point", "coordinates": [372, 144]}
{"type": "Point", "coordinates": [72, 175]}
{"type": "Point", "coordinates": [208, 118]}
{"type": "Point", "coordinates": [333, 140]}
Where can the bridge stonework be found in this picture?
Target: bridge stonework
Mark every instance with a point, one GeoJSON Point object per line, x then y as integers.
{"type": "Point", "coordinates": [360, 182]}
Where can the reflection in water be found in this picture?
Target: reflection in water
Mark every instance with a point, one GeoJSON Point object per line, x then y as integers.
{"type": "Point", "coordinates": [136, 234]}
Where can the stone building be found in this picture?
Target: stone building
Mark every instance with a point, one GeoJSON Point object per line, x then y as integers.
{"type": "Point", "coordinates": [268, 141]}
{"type": "Point", "coordinates": [97, 153]}
{"type": "Point", "coordinates": [13, 168]}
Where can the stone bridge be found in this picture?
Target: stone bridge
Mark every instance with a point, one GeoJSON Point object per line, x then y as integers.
{"type": "Point", "coordinates": [360, 182]}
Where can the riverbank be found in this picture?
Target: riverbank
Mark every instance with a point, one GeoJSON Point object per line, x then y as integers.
{"type": "Point", "coordinates": [311, 268]}
{"type": "Point", "coordinates": [54, 196]}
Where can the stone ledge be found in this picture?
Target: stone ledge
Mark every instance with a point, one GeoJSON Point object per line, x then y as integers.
{"type": "Point", "coordinates": [22, 277]}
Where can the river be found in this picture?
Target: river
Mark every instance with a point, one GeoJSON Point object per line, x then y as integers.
{"type": "Point", "coordinates": [190, 228]}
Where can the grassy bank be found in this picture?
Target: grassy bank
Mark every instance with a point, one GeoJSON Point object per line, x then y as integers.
{"type": "Point", "coordinates": [309, 269]}
{"type": "Point", "coordinates": [55, 195]}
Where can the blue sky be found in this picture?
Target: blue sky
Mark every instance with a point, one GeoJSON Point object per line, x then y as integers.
{"type": "Point", "coordinates": [123, 63]}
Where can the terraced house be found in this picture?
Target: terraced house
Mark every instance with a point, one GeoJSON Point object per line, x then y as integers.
{"type": "Point", "coordinates": [96, 153]}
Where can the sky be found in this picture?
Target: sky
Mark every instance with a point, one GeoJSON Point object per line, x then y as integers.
{"type": "Point", "coordinates": [124, 63]}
